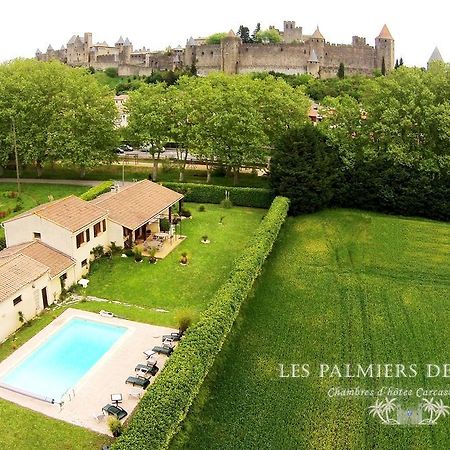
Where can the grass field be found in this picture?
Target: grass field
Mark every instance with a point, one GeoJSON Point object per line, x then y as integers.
{"type": "Point", "coordinates": [168, 285]}
{"type": "Point", "coordinates": [340, 287]}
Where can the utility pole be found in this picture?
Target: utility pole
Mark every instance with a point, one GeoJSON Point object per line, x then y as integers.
{"type": "Point", "coordinates": [13, 124]}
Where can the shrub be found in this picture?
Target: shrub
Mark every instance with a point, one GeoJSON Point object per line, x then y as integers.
{"type": "Point", "coordinates": [226, 203]}
{"type": "Point", "coordinates": [184, 258]}
{"type": "Point", "coordinates": [115, 249]}
{"type": "Point", "coordinates": [12, 194]}
{"type": "Point", "coordinates": [128, 252]}
{"type": "Point", "coordinates": [112, 72]}
{"type": "Point", "coordinates": [185, 213]}
{"type": "Point", "coordinates": [115, 426]}
{"type": "Point", "coordinates": [3, 214]}
{"type": "Point", "coordinates": [98, 251]}
{"type": "Point", "coordinates": [152, 257]}
{"type": "Point", "coordinates": [2, 243]}
{"type": "Point", "coordinates": [240, 196]}
{"type": "Point", "coordinates": [137, 254]}
{"type": "Point", "coordinates": [95, 191]}
{"type": "Point", "coordinates": [184, 319]}
{"type": "Point", "coordinates": [165, 405]}
{"type": "Point", "coordinates": [201, 208]}
{"type": "Point", "coordinates": [164, 225]}
{"type": "Point", "coordinates": [19, 205]}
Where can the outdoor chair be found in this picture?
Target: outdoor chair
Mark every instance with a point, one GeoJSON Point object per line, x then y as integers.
{"type": "Point", "coordinates": [164, 350]}
{"type": "Point", "coordinates": [138, 381]}
{"type": "Point", "coordinates": [135, 394]}
{"type": "Point", "coordinates": [98, 417]}
{"type": "Point", "coordinates": [151, 370]}
{"type": "Point", "coordinates": [114, 410]}
{"type": "Point", "coordinates": [173, 336]}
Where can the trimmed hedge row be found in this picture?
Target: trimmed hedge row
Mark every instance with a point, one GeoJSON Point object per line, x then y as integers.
{"type": "Point", "coordinates": [206, 193]}
{"type": "Point", "coordinates": [165, 405]}
{"type": "Point", "coordinates": [95, 191]}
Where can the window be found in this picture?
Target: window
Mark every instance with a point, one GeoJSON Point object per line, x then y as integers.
{"type": "Point", "coordinates": [17, 300]}
{"type": "Point", "coordinates": [104, 225]}
{"type": "Point", "coordinates": [88, 235]}
{"type": "Point", "coordinates": [80, 239]}
{"type": "Point", "coordinates": [36, 235]}
{"type": "Point", "coordinates": [84, 263]}
{"type": "Point", "coordinates": [97, 229]}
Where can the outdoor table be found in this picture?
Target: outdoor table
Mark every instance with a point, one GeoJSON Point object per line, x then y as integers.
{"type": "Point", "coordinates": [116, 398]}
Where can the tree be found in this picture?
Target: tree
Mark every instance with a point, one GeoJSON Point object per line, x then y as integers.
{"type": "Point", "coordinates": [304, 168]}
{"type": "Point", "coordinates": [383, 67]}
{"type": "Point", "coordinates": [215, 38]}
{"type": "Point", "coordinates": [401, 62]}
{"type": "Point", "coordinates": [396, 64]}
{"type": "Point", "coordinates": [256, 31]}
{"type": "Point", "coordinates": [270, 36]}
{"type": "Point", "coordinates": [244, 34]}
{"type": "Point", "coordinates": [341, 71]}
{"type": "Point", "coordinates": [61, 114]}
{"type": "Point", "coordinates": [150, 121]}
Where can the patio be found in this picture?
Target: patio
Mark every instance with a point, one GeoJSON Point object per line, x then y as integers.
{"type": "Point", "coordinates": [162, 242]}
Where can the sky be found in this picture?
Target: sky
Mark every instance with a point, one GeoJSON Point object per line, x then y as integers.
{"type": "Point", "coordinates": [417, 26]}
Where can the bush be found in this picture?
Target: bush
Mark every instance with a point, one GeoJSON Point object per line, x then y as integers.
{"type": "Point", "coordinates": [2, 243]}
{"type": "Point", "coordinates": [115, 249]}
{"type": "Point", "coordinates": [201, 208]}
{"type": "Point", "coordinates": [184, 319]}
{"type": "Point", "coordinates": [240, 196]}
{"type": "Point", "coordinates": [95, 191]}
{"type": "Point", "coordinates": [19, 205]}
{"type": "Point", "coordinates": [166, 403]}
{"type": "Point", "coordinates": [164, 225]}
{"type": "Point", "coordinates": [185, 213]}
{"type": "Point", "coordinates": [98, 251]}
{"type": "Point", "coordinates": [112, 72]}
{"type": "Point", "coordinates": [137, 254]}
{"type": "Point", "coordinates": [128, 252]}
{"type": "Point", "coordinates": [115, 426]}
{"type": "Point", "coordinates": [226, 203]}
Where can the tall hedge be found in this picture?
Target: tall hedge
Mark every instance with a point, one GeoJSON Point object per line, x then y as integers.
{"type": "Point", "coordinates": [206, 193]}
{"type": "Point", "coordinates": [95, 191]}
{"type": "Point", "coordinates": [166, 403]}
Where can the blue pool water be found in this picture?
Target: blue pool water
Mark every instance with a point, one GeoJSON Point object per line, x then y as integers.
{"type": "Point", "coordinates": [60, 362]}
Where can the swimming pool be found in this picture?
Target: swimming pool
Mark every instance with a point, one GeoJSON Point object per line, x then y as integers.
{"type": "Point", "coordinates": [58, 364]}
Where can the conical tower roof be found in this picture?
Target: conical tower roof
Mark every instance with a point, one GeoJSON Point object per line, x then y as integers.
{"type": "Point", "coordinates": [313, 57]}
{"type": "Point", "coordinates": [38, 52]}
{"type": "Point", "coordinates": [231, 33]}
{"type": "Point", "coordinates": [127, 42]}
{"type": "Point", "coordinates": [120, 40]}
{"type": "Point", "coordinates": [317, 34]}
{"type": "Point", "coordinates": [436, 56]}
{"type": "Point", "coordinates": [191, 41]}
{"type": "Point", "coordinates": [50, 48]}
{"type": "Point", "coordinates": [385, 33]}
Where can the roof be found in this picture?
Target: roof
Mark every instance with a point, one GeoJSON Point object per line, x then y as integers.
{"type": "Point", "coordinates": [313, 56]}
{"type": "Point", "coordinates": [38, 52]}
{"type": "Point", "coordinates": [120, 40]}
{"type": "Point", "coordinates": [51, 258]}
{"type": "Point", "coordinates": [317, 34]}
{"type": "Point", "coordinates": [17, 272]}
{"type": "Point", "coordinates": [137, 204]}
{"type": "Point", "coordinates": [72, 39]}
{"type": "Point", "coordinates": [231, 33]}
{"type": "Point", "coordinates": [49, 48]}
{"type": "Point", "coordinates": [127, 42]}
{"type": "Point", "coordinates": [70, 212]}
{"type": "Point", "coordinates": [191, 41]}
{"type": "Point", "coordinates": [436, 56]}
{"type": "Point", "coordinates": [385, 33]}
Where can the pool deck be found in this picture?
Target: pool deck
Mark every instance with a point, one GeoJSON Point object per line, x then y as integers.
{"type": "Point", "coordinates": [105, 378]}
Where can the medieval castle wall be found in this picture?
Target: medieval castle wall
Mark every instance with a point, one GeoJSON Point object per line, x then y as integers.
{"type": "Point", "coordinates": [297, 54]}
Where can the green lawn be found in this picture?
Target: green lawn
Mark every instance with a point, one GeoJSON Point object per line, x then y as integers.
{"type": "Point", "coordinates": [340, 287]}
{"type": "Point", "coordinates": [31, 196]}
{"type": "Point", "coordinates": [168, 285]}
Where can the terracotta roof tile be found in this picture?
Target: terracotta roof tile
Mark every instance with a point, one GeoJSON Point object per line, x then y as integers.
{"type": "Point", "coordinates": [53, 259]}
{"type": "Point", "coordinates": [138, 203]}
{"type": "Point", "coordinates": [71, 213]}
{"type": "Point", "coordinates": [18, 271]}
{"type": "Point", "coordinates": [385, 33]}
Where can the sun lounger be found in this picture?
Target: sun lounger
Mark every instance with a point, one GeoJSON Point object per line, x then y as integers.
{"type": "Point", "coordinates": [138, 381]}
{"type": "Point", "coordinates": [147, 370]}
{"type": "Point", "coordinates": [114, 410]}
{"type": "Point", "coordinates": [164, 350]}
{"type": "Point", "coordinates": [173, 336]}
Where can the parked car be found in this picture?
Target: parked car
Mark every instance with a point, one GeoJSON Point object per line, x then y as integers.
{"type": "Point", "coordinates": [119, 151]}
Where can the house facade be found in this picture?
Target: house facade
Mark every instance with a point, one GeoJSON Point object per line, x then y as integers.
{"type": "Point", "coordinates": [49, 248]}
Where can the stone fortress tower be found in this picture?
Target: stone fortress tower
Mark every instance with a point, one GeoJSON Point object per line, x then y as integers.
{"type": "Point", "coordinates": [297, 53]}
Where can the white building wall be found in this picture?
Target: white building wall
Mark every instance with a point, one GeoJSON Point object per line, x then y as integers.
{"type": "Point", "coordinates": [115, 233]}
{"type": "Point", "coordinates": [31, 305]}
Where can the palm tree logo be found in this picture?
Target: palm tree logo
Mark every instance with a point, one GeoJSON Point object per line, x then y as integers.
{"type": "Point", "coordinates": [434, 409]}
{"type": "Point", "coordinates": [383, 409]}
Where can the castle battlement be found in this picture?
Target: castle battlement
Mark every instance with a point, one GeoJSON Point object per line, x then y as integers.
{"type": "Point", "coordinates": [297, 53]}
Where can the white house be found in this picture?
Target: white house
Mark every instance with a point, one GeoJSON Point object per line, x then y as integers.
{"type": "Point", "coordinates": [50, 246]}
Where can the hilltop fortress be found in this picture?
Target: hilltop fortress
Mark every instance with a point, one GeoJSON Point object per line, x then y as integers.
{"type": "Point", "coordinates": [297, 53]}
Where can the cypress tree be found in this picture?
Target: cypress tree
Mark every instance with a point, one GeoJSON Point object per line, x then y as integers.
{"type": "Point", "coordinates": [383, 67]}
{"type": "Point", "coordinates": [341, 71]}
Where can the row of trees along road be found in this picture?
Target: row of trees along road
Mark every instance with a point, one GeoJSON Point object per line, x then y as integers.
{"type": "Point", "coordinates": [221, 119]}
{"type": "Point", "coordinates": [61, 115]}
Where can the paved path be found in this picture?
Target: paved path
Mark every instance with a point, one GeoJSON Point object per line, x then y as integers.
{"type": "Point", "coordinates": [47, 181]}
